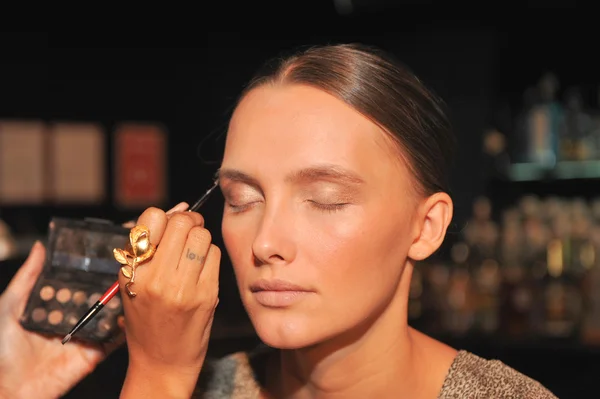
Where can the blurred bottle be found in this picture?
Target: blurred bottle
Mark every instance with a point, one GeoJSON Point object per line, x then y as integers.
{"type": "Point", "coordinates": [544, 121]}
{"type": "Point", "coordinates": [590, 331]}
{"type": "Point", "coordinates": [594, 136]}
{"type": "Point", "coordinates": [521, 142]}
{"type": "Point", "coordinates": [560, 296]}
{"type": "Point", "coordinates": [576, 142]}
{"type": "Point", "coordinates": [459, 314]}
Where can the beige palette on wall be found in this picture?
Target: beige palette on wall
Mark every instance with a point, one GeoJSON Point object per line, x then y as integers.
{"type": "Point", "coordinates": [23, 179]}
{"type": "Point", "coordinates": [66, 162]}
{"type": "Point", "coordinates": [77, 162]}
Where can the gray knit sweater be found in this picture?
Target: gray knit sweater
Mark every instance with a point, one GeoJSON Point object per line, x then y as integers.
{"type": "Point", "coordinates": [470, 377]}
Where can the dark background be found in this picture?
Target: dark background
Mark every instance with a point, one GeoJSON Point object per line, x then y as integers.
{"type": "Point", "coordinates": [480, 66]}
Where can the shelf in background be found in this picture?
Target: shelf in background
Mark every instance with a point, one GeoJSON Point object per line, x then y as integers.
{"type": "Point", "coordinates": [563, 170]}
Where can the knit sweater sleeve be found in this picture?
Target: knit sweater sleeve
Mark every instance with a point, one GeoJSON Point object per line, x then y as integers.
{"type": "Point", "coordinates": [471, 377]}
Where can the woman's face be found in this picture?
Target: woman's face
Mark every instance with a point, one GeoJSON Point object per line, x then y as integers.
{"type": "Point", "coordinates": [319, 214]}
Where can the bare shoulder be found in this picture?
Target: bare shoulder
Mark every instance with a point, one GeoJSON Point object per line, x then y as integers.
{"type": "Point", "coordinates": [471, 376]}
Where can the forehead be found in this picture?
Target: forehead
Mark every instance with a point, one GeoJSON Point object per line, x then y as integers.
{"type": "Point", "coordinates": [287, 127]}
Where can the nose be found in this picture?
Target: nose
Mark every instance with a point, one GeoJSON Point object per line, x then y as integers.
{"type": "Point", "coordinates": [275, 239]}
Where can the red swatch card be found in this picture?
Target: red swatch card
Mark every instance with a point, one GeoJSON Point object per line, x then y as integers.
{"type": "Point", "coordinates": [140, 165]}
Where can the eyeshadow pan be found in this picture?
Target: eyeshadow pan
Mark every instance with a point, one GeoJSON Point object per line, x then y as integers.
{"type": "Point", "coordinates": [47, 293]}
{"type": "Point", "coordinates": [94, 298]}
{"type": "Point", "coordinates": [55, 317]}
{"type": "Point", "coordinates": [38, 314]}
{"type": "Point", "coordinates": [114, 303]}
{"type": "Point", "coordinates": [72, 319]}
{"type": "Point", "coordinates": [63, 295]}
{"type": "Point", "coordinates": [79, 298]}
{"type": "Point", "coordinates": [104, 325]}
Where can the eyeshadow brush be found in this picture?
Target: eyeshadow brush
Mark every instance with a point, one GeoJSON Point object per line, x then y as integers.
{"type": "Point", "coordinates": [112, 291]}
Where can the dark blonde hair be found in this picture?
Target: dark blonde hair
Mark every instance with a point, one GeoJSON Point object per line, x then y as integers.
{"type": "Point", "coordinates": [385, 91]}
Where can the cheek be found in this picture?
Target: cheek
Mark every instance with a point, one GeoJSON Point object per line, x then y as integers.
{"type": "Point", "coordinates": [363, 250]}
{"type": "Point", "coordinates": [236, 238]}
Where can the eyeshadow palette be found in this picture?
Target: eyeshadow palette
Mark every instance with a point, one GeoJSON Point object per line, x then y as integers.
{"type": "Point", "coordinates": [79, 268]}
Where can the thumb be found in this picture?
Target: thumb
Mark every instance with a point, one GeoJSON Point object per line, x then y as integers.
{"type": "Point", "coordinates": [20, 286]}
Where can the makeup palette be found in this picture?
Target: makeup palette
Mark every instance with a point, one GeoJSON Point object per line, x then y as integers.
{"type": "Point", "coordinates": [79, 268]}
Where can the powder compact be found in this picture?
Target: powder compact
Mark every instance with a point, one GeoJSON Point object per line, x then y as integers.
{"type": "Point", "coordinates": [79, 268]}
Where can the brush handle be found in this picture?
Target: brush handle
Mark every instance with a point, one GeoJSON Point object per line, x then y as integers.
{"type": "Point", "coordinates": [204, 197]}
{"type": "Point", "coordinates": [110, 293]}
{"type": "Point", "coordinates": [87, 317]}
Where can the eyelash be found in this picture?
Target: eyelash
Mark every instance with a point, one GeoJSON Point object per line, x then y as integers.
{"type": "Point", "coordinates": [238, 208]}
{"type": "Point", "coordinates": [317, 205]}
{"type": "Point", "coordinates": [328, 207]}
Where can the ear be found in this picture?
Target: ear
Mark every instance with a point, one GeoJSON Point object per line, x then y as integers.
{"type": "Point", "coordinates": [434, 217]}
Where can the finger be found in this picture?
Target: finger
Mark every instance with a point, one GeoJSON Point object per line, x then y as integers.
{"type": "Point", "coordinates": [19, 288]}
{"type": "Point", "coordinates": [130, 224]}
{"type": "Point", "coordinates": [208, 281]}
{"type": "Point", "coordinates": [171, 246]}
{"type": "Point", "coordinates": [175, 234]}
{"type": "Point", "coordinates": [192, 259]}
{"type": "Point", "coordinates": [182, 206]}
{"type": "Point", "coordinates": [156, 221]}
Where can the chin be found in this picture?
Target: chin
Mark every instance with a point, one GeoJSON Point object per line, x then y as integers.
{"type": "Point", "coordinates": [286, 329]}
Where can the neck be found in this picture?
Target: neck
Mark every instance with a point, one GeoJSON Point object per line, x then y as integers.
{"type": "Point", "coordinates": [378, 358]}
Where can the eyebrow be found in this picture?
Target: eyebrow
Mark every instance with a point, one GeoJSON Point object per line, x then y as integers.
{"type": "Point", "coordinates": [236, 175]}
{"type": "Point", "coordinates": [328, 172]}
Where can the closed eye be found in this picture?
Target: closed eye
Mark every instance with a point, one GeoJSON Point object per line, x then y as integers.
{"type": "Point", "coordinates": [329, 207]}
{"type": "Point", "coordinates": [237, 208]}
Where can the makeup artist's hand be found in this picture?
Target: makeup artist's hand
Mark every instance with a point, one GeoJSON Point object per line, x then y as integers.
{"type": "Point", "coordinates": [168, 323]}
{"type": "Point", "coordinates": [33, 365]}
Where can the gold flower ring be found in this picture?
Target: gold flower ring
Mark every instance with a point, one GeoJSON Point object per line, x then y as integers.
{"type": "Point", "coordinates": [137, 251]}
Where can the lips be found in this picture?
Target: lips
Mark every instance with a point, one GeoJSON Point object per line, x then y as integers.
{"type": "Point", "coordinates": [278, 294]}
{"type": "Point", "coordinates": [276, 285]}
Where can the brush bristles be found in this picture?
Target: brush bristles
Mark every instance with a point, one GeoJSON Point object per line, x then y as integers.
{"type": "Point", "coordinates": [66, 339]}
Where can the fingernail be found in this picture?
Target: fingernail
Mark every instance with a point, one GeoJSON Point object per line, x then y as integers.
{"type": "Point", "coordinates": [33, 248]}
{"type": "Point", "coordinates": [93, 355]}
{"type": "Point", "coordinates": [36, 245]}
{"type": "Point", "coordinates": [179, 207]}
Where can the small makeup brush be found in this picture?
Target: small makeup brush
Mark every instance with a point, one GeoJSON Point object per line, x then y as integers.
{"type": "Point", "coordinates": [112, 291]}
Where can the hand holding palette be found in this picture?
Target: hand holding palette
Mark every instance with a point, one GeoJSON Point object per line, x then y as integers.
{"type": "Point", "coordinates": [80, 277]}
{"type": "Point", "coordinates": [79, 268]}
